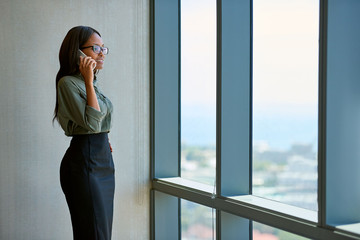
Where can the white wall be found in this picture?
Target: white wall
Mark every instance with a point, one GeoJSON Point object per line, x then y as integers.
{"type": "Point", "coordinates": [32, 205]}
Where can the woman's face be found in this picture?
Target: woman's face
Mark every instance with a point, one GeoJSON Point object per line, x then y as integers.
{"type": "Point", "coordinates": [95, 39]}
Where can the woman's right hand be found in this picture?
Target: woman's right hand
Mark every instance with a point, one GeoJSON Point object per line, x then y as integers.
{"type": "Point", "coordinates": [86, 68]}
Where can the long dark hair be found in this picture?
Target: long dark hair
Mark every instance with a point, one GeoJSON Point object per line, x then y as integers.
{"type": "Point", "coordinates": [68, 54]}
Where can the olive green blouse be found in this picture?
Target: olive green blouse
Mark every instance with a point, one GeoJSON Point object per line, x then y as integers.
{"type": "Point", "coordinates": [74, 115]}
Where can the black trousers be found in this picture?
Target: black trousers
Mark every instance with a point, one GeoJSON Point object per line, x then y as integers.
{"type": "Point", "coordinates": [87, 180]}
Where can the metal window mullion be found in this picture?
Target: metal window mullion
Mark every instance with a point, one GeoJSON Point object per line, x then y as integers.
{"type": "Point", "coordinates": [218, 96]}
{"type": "Point", "coordinates": [179, 87]}
{"type": "Point", "coordinates": [166, 97]}
{"type": "Point", "coordinates": [233, 149]}
{"type": "Point", "coordinates": [165, 114]}
{"type": "Point", "coordinates": [165, 213]}
{"type": "Point", "coordinates": [322, 114]}
{"type": "Point", "coordinates": [342, 113]}
{"type": "Point", "coordinates": [251, 102]}
{"type": "Point", "coordinates": [218, 113]}
{"type": "Point", "coordinates": [234, 80]}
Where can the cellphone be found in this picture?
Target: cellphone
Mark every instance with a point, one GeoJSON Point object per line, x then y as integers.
{"type": "Point", "coordinates": [80, 53]}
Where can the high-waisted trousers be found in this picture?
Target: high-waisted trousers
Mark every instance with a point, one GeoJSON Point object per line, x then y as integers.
{"type": "Point", "coordinates": [87, 180]}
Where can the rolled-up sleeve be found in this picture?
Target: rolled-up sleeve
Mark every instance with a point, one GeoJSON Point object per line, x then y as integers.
{"type": "Point", "coordinates": [74, 109]}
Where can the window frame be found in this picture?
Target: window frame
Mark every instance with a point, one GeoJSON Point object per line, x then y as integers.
{"type": "Point", "coordinates": [233, 191]}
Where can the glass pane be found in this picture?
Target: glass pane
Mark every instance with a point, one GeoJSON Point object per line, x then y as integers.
{"type": "Point", "coordinates": [197, 221]}
{"type": "Point", "coordinates": [262, 232]}
{"type": "Point", "coordinates": [285, 100]}
{"type": "Point", "coordinates": [198, 90]}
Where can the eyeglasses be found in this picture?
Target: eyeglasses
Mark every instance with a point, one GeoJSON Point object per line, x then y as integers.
{"type": "Point", "coordinates": [97, 49]}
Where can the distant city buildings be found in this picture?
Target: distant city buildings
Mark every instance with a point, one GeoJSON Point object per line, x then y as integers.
{"type": "Point", "coordinates": [288, 176]}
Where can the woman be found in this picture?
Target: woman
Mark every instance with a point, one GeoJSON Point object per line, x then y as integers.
{"type": "Point", "coordinates": [87, 169]}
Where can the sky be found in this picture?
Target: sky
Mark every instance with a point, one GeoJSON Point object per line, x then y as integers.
{"type": "Point", "coordinates": [285, 71]}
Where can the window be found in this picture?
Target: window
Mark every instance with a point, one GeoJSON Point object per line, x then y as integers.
{"type": "Point", "coordinates": [262, 231]}
{"type": "Point", "coordinates": [285, 101]}
{"type": "Point", "coordinates": [198, 90]}
{"type": "Point", "coordinates": [237, 203]}
{"type": "Point", "coordinates": [197, 221]}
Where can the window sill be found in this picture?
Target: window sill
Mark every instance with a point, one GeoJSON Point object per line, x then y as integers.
{"type": "Point", "coordinates": [208, 189]}
{"type": "Point", "coordinates": [248, 200]}
{"type": "Point", "coordinates": [353, 228]}
{"type": "Point", "coordinates": [289, 218]}
{"type": "Point", "coordinates": [278, 207]}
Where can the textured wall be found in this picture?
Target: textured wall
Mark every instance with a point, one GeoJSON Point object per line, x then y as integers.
{"type": "Point", "coordinates": [32, 205]}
